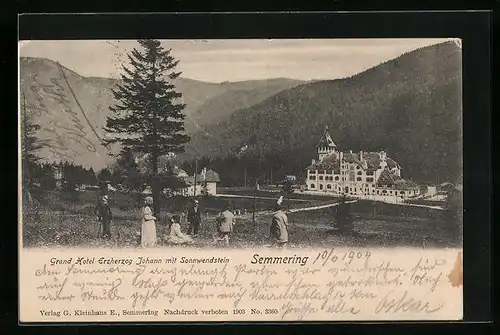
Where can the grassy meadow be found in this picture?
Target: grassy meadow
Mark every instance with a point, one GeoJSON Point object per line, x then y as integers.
{"type": "Point", "coordinates": [62, 219]}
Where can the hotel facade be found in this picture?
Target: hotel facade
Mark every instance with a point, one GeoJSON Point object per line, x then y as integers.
{"type": "Point", "coordinates": [361, 174]}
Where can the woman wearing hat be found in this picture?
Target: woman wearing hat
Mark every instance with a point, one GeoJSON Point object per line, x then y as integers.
{"type": "Point", "coordinates": [148, 229]}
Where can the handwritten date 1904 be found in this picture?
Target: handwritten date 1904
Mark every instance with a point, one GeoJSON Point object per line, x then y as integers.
{"type": "Point", "coordinates": [347, 256]}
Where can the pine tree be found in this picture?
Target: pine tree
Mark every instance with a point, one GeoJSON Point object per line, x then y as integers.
{"type": "Point", "coordinates": [129, 170]}
{"type": "Point", "coordinates": [147, 119]}
{"type": "Point", "coordinates": [287, 187]}
{"type": "Point", "coordinates": [30, 145]}
{"type": "Point", "coordinates": [104, 175]}
{"type": "Point", "coordinates": [91, 177]}
{"type": "Point", "coordinates": [116, 177]}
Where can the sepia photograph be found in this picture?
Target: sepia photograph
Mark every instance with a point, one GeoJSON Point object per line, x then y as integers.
{"type": "Point", "coordinates": [189, 180]}
{"type": "Point", "coordinates": [241, 143]}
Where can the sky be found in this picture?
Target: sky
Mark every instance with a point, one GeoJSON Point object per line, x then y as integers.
{"type": "Point", "coordinates": [234, 60]}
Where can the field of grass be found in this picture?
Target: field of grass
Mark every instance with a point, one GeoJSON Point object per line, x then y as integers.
{"type": "Point", "coordinates": [55, 219]}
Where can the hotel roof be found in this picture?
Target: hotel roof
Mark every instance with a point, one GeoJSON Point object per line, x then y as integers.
{"type": "Point", "coordinates": [326, 140]}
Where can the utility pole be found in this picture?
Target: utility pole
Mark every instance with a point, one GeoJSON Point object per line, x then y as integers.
{"type": "Point", "coordinates": [254, 203]}
{"type": "Point", "coordinates": [245, 176]}
{"type": "Point", "coordinates": [195, 173]}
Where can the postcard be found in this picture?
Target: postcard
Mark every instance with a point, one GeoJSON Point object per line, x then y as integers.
{"type": "Point", "coordinates": [260, 180]}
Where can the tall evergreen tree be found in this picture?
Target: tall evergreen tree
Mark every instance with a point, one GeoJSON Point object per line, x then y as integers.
{"type": "Point", "coordinates": [147, 119]}
{"type": "Point", "coordinates": [91, 177]}
{"type": "Point", "coordinates": [30, 145]}
{"type": "Point", "coordinates": [129, 170]}
{"type": "Point", "coordinates": [104, 175]}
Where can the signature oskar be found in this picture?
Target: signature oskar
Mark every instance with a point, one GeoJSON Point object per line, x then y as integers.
{"type": "Point", "coordinates": [424, 273]}
{"type": "Point", "coordinates": [69, 138]}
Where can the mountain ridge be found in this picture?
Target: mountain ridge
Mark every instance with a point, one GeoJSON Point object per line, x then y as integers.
{"type": "Point", "coordinates": [384, 107]}
{"type": "Point", "coordinates": [409, 106]}
{"type": "Point", "coordinates": [51, 100]}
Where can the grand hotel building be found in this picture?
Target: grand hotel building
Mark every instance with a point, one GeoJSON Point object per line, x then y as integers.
{"type": "Point", "coordinates": [361, 174]}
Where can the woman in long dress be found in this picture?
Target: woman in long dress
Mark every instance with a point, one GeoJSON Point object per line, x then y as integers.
{"type": "Point", "coordinates": [176, 236]}
{"type": "Point", "coordinates": [148, 229]}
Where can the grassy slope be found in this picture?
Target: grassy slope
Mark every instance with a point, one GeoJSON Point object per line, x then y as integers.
{"type": "Point", "coordinates": [60, 219]}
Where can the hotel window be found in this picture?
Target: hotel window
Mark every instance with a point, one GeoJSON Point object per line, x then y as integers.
{"type": "Point", "coordinates": [328, 186]}
{"type": "Point", "coordinates": [369, 180]}
{"type": "Point", "coordinates": [378, 192]}
{"type": "Point", "coordinates": [360, 173]}
{"type": "Point", "coordinates": [337, 178]}
{"type": "Point", "coordinates": [352, 167]}
{"type": "Point", "coordinates": [321, 172]}
{"type": "Point", "coordinates": [312, 177]}
{"type": "Point", "coordinates": [402, 192]}
{"type": "Point", "coordinates": [369, 173]}
{"type": "Point", "coordinates": [396, 192]}
{"type": "Point", "coordinates": [312, 171]}
{"type": "Point", "coordinates": [329, 172]}
{"type": "Point", "coordinates": [320, 177]}
{"type": "Point", "coordinates": [320, 186]}
{"type": "Point", "coordinates": [358, 179]}
{"type": "Point", "coordinates": [313, 186]}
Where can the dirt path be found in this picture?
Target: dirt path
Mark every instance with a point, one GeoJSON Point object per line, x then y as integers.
{"type": "Point", "coordinates": [251, 197]}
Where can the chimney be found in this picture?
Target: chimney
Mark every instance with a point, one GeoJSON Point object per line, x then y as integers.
{"type": "Point", "coordinates": [313, 161]}
{"type": "Point", "coordinates": [361, 155]}
{"type": "Point", "coordinates": [341, 155]}
{"type": "Point", "coordinates": [350, 151]}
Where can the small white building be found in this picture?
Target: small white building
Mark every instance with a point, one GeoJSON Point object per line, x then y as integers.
{"type": "Point", "coordinates": [205, 181]}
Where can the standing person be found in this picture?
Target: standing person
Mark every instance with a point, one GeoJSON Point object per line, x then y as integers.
{"type": "Point", "coordinates": [225, 223]}
{"type": "Point", "coordinates": [104, 216]}
{"type": "Point", "coordinates": [194, 219]}
{"type": "Point", "coordinates": [148, 227]}
{"type": "Point", "coordinates": [279, 227]}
